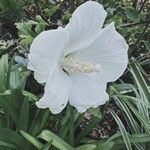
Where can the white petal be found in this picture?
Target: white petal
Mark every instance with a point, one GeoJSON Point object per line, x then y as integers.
{"type": "Point", "coordinates": [57, 91]}
{"type": "Point", "coordinates": [46, 51]}
{"type": "Point", "coordinates": [109, 49]}
{"type": "Point", "coordinates": [87, 91]}
{"type": "Point", "coordinates": [40, 77]}
{"type": "Point", "coordinates": [84, 25]}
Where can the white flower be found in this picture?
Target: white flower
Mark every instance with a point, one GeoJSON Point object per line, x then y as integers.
{"type": "Point", "coordinates": [77, 61]}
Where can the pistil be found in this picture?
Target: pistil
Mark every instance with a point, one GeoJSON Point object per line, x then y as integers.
{"type": "Point", "coordinates": [72, 65]}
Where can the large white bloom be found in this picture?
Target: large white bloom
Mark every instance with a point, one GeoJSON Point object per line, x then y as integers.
{"type": "Point", "coordinates": [77, 61]}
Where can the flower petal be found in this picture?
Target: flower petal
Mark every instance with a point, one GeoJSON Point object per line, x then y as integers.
{"type": "Point", "coordinates": [57, 91]}
{"type": "Point", "coordinates": [87, 91]}
{"type": "Point", "coordinates": [109, 49]}
{"type": "Point", "coordinates": [84, 25]}
{"type": "Point", "coordinates": [40, 77]}
{"type": "Point", "coordinates": [46, 51]}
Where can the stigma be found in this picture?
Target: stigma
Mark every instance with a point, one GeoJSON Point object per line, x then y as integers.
{"type": "Point", "coordinates": [72, 65]}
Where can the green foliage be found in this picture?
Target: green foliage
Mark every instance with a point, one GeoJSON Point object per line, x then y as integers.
{"type": "Point", "coordinates": [136, 106]}
{"type": "Point", "coordinates": [13, 8]}
{"type": "Point", "coordinates": [131, 13]}
{"type": "Point", "coordinates": [6, 46]}
{"type": "Point", "coordinates": [52, 10]}
{"type": "Point", "coordinates": [26, 32]}
{"type": "Point", "coordinates": [122, 130]}
{"type": "Point", "coordinates": [3, 72]}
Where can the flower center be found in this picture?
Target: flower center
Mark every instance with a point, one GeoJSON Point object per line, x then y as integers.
{"type": "Point", "coordinates": [72, 65]}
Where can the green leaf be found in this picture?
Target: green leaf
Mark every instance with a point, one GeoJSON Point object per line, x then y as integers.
{"type": "Point", "coordinates": [3, 72]}
{"type": "Point", "coordinates": [47, 145]}
{"type": "Point", "coordinates": [26, 39]}
{"type": "Point", "coordinates": [66, 16]}
{"type": "Point", "coordinates": [24, 115]}
{"type": "Point", "coordinates": [129, 115]}
{"type": "Point", "coordinates": [39, 28]}
{"type": "Point", "coordinates": [18, 77]}
{"type": "Point", "coordinates": [135, 138]}
{"type": "Point", "coordinates": [5, 144]}
{"type": "Point", "coordinates": [57, 141]}
{"type": "Point", "coordinates": [143, 120]}
{"type": "Point", "coordinates": [9, 109]}
{"type": "Point", "coordinates": [32, 140]}
{"type": "Point", "coordinates": [139, 79]}
{"type": "Point", "coordinates": [131, 13]}
{"type": "Point", "coordinates": [6, 46]}
{"type": "Point", "coordinates": [10, 136]}
{"type": "Point", "coordinates": [86, 147]}
{"type": "Point", "coordinates": [40, 121]}
{"type": "Point", "coordinates": [25, 28]}
{"type": "Point", "coordinates": [105, 146]}
{"type": "Point", "coordinates": [147, 45]}
{"type": "Point", "coordinates": [50, 11]}
{"type": "Point", "coordinates": [7, 92]}
{"type": "Point", "coordinates": [30, 96]}
{"type": "Point", "coordinates": [122, 129]}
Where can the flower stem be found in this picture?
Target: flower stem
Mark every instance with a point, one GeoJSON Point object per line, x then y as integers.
{"type": "Point", "coordinates": [135, 23]}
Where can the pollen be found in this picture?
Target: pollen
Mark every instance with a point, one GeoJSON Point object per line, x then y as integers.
{"type": "Point", "coordinates": [72, 65]}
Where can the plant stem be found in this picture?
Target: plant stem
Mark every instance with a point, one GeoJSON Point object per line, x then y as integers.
{"type": "Point", "coordinates": [140, 37]}
{"type": "Point", "coordinates": [135, 23]}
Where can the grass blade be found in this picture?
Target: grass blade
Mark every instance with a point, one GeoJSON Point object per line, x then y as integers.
{"type": "Point", "coordinates": [57, 141]}
{"type": "Point", "coordinates": [32, 140]}
{"type": "Point", "coordinates": [122, 130]}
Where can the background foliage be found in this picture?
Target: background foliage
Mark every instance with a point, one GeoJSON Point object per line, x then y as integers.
{"type": "Point", "coordinates": [127, 115]}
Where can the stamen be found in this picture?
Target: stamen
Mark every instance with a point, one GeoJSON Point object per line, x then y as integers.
{"type": "Point", "coordinates": [72, 65]}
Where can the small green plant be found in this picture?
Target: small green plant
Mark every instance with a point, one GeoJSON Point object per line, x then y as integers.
{"type": "Point", "coordinates": [134, 101]}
